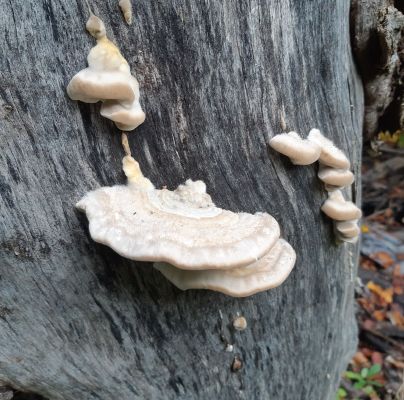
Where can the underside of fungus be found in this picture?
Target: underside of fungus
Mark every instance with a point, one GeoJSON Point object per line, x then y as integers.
{"type": "Point", "coordinates": [108, 79]}
{"type": "Point", "coordinates": [266, 273]}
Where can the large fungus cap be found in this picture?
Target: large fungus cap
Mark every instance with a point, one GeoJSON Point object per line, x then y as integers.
{"type": "Point", "coordinates": [300, 151]}
{"type": "Point", "coordinates": [337, 208]}
{"type": "Point", "coordinates": [335, 178]}
{"type": "Point", "coordinates": [181, 227]}
{"type": "Point", "coordinates": [330, 154]}
{"type": "Point", "coordinates": [266, 273]}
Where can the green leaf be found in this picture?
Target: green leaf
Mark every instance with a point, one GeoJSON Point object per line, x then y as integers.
{"type": "Point", "coordinates": [374, 370]}
{"type": "Point", "coordinates": [341, 393]}
{"type": "Point", "coordinates": [353, 376]}
{"type": "Point", "coordinates": [360, 384]}
{"type": "Point", "coordinates": [368, 389]}
{"type": "Point", "coordinates": [364, 372]}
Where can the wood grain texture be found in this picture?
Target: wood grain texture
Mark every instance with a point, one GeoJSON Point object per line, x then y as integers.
{"type": "Point", "coordinates": [79, 322]}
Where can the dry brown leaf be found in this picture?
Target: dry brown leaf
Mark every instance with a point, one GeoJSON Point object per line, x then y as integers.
{"type": "Point", "coordinates": [384, 294]}
{"type": "Point", "coordinates": [383, 258]}
{"type": "Point", "coordinates": [379, 315]}
{"type": "Point", "coordinates": [395, 363]}
{"type": "Point", "coordinates": [396, 318]}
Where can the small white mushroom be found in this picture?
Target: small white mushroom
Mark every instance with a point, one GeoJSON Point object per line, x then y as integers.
{"type": "Point", "coordinates": [266, 273]}
{"type": "Point", "coordinates": [300, 151]}
{"type": "Point", "coordinates": [335, 178]}
{"type": "Point", "coordinates": [330, 154]}
{"type": "Point", "coordinates": [181, 227]}
{"type": "Point", "coordinates": [337, 208]}
{"type": "Point", "coordinates": [126, 8]}
{"type": "Point", "coordinates": [108, 79]}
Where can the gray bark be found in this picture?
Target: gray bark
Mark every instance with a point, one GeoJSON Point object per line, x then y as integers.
{"type": "Point", "coordinates": [79, 322]}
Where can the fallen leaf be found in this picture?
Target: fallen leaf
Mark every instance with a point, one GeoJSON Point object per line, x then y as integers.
{"type": "Point", "coordinates": [379, 315]}
{"type": "Point", "coordinates": [383, 258]}
{"type": "Point", "coordinates": [395, 363]}
{"type": "Point", "coordinates": [385, 294]}
{"type": "Point", "coordinates": [396, 318]}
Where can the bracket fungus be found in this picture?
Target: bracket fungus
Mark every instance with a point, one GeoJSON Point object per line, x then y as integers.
{"type": "Point", "coordinates": [181, 227]}
{"type": "Point", "coordinates": [266, 273]}
{"type": "Point", "coordinates": [339, 209]}
{"type": "Point", "coordinates": [330, 155]}
{"type": "Point", "coordinates": [345, 215]}
{"type": "Point", "coordinates": [333, 171]}
{"type": "Point", "coordinates": [347, 231]}
{"type": "Point", "coordinates": [335, 178]}
{"type": "Point", "coordinates": [108, 79]}
{"type": "Point", "coordinates": [300, 151]}
{"type": "Point", "coordinates": [195, 243]}
{"type": "Point", "coordinates": [181, 230]}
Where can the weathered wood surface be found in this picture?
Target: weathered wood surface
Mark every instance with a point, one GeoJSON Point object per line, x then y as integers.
{"type": "Point", "coordinates": [79, 322]}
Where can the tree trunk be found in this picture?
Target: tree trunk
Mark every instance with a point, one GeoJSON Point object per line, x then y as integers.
{"type": "Point", "coordinates": [217, 78]}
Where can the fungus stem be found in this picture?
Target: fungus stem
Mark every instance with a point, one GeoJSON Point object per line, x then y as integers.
{"type": "Point", "coordinates": [125, 144]}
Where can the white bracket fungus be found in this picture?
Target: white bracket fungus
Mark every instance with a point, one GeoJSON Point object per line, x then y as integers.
{"type": "Point", "coordinates": [194, 243]}
{"type": "Point", "coordinates": [266, 273]}
{"type": "Point", "coordinates": [108, 79]}
{"type": "Point", "coordinates": [345, 215]}
{"type": "Point", "coordinates": [339, 209]}
{"type": "Point", "coordinates": [335, 178]}
{"type": "Point", "coordinates": [181, 227]}
{"type": "Point", "coordinates": [126, 8]}
{"type": "Point", "coordinates": [347, 231]}
{"type": "Point", "coordinates": [300, 151]}
{"type": "Point", "coordinates": [330, 155]}
{"type": "Point", "coordinates": [333, 171]}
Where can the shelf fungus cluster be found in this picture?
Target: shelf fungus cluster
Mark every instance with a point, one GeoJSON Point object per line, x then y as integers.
{"type": "Point", "coordinates": [193, 243]}
{"type": "Point", "coordinates": [108, 79]}
{"type": "Point", "coordinates": [334, 171]}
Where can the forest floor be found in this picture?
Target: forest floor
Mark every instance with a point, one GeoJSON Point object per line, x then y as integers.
{"type": "Point", "coordinates": [377, 369]}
